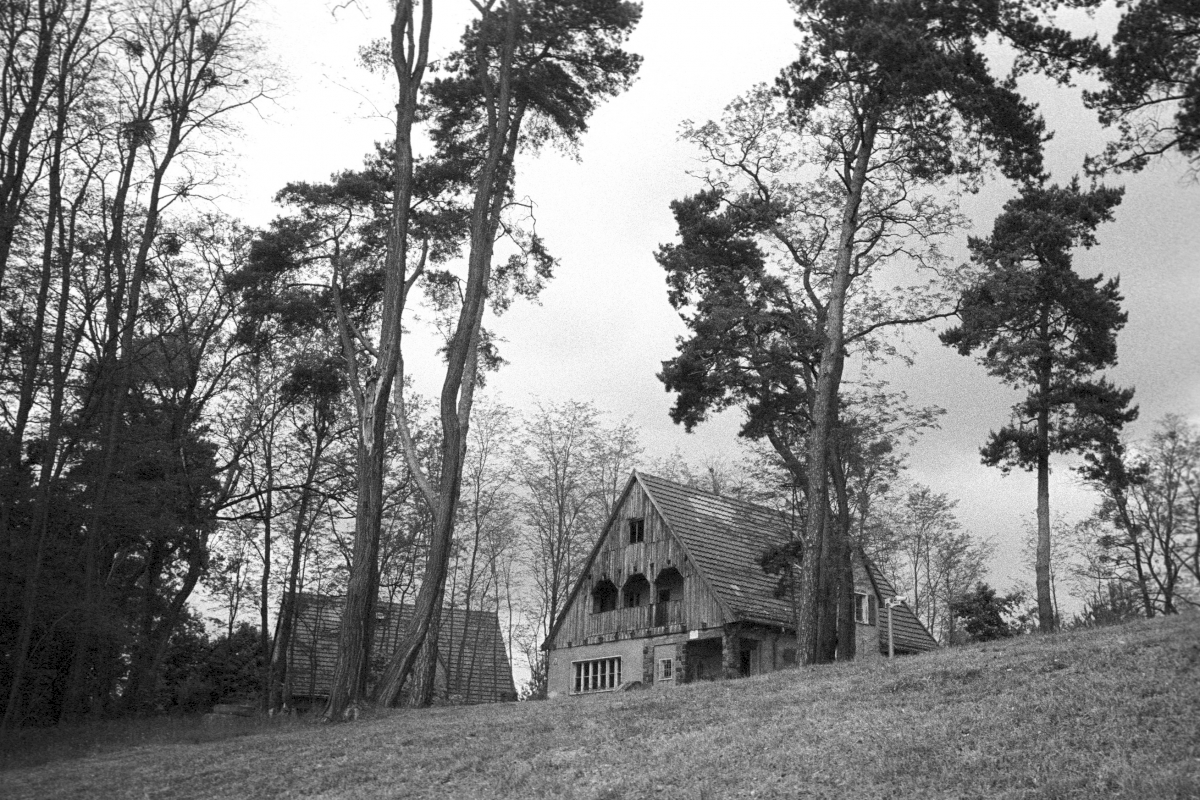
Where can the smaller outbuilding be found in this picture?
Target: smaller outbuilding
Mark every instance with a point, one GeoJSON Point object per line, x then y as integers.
{"type": "Point", "coordinates": [673, 592]}
{"type": "Point", "coordinates": [472, 664]}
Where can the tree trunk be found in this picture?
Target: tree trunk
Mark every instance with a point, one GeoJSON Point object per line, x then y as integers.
{"type": "Point", "coordinates": [1046, 620]}
{"type": "Point", "coordinates": [264, 600]}
{"type": "Point", "coordinates": [348, 690]}
{"type": "Point", "coordinates": [846, 626]}
{"type": "Point", "coordinates": [813, 605]}
{"type": "Point", "coordinates": [462, 362]}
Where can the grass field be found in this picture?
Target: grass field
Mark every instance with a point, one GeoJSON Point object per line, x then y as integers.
{"type": "Point", "coordinates": [1107, 713]}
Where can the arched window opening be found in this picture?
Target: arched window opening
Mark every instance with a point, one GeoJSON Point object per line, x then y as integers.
{"type": "Point", "coordinates": [668, 597]}
{"type": "Point", "coordinates": [668, 586]}
{"type": "Point", "coordinates": [636, 592]}
{"type": "Point", "coordinates": [604, 596]}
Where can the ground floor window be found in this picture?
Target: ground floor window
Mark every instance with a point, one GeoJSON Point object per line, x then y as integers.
{"type": "Point", "coordinates": [597, 675]}
{"type": "Point", "coordinates": [666, 669]}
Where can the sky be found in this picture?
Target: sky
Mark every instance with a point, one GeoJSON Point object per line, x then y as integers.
{"type": "Point", "coordinates": [603, 326]}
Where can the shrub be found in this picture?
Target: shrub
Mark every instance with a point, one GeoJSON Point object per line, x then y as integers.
{"type": "Point", "coordinates": [984, 614]}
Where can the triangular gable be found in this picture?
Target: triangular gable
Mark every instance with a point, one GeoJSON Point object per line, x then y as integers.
{"type": "Point", "coordinates": [586, 569]}
{"type": "Point", "coordinates": [636, 479]}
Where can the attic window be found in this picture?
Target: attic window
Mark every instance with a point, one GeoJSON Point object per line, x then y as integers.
{"type": "Point", "coordinates": [865, 608]}
{"type": "Point", "coordinates": [637, 531]}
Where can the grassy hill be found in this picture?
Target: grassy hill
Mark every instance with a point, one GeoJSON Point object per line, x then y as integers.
{"type": "Point", "coordinates": [1107, 713]}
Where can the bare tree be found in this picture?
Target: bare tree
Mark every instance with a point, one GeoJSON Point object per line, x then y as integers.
{"type": "Point", "coordinates": [1149, 507]}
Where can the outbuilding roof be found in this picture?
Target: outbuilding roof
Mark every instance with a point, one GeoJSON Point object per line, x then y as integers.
{"type": "Point", "coordinates": [472, 659]}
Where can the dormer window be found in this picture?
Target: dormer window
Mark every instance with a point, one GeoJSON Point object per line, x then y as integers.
{"type": "Point", "coordinates": [637, 531]}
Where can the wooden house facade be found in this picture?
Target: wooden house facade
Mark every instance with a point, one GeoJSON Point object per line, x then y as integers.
{"type": "Point", "coordinates": [673, 592]}
{"type": "Point", "coordinates": [472, 665]}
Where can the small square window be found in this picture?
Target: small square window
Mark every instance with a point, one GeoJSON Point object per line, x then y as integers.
{"type": "Point", "coordinates": [637, 531]}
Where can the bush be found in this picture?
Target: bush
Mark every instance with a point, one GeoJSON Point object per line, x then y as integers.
{"type": "Point", "coordinates": [984, 614]}
{"type": "Point", "coordinates": [199, 672]}
{"type": "Point", "coordinates": [1112, 604]}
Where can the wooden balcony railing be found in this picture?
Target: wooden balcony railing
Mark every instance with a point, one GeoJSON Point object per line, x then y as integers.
{"type": "Point", "coordinates": [624, 620]}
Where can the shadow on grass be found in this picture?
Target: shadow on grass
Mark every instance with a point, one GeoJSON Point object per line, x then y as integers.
{"type": "Point", "coordinates": [31, 747]}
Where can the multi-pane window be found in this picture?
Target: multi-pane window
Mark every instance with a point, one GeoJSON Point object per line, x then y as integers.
{"type": "Point", "coordinates": [666, 669]}
{"type": "Point", "coordinates": [637, 531]}
{"type": "Point", "coordinates": [597, 675]}
{"type": "Point", "coordinates": [864, 608]}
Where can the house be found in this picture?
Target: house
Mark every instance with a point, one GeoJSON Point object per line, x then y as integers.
{"type": "Point", "coordinates": [472, 664]}
{"type": "Point", "coordinates": [673, 592]}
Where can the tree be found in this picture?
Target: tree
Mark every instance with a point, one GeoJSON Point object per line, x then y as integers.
{"type": "Point", "coordinates": [565, 464]}
{"type": "Point", "coordinates": [1151, 73]}
{"type": "Point", "coordinates": [488, 528]}
{"type": "Point", "coordinates": [869, 80]}
{"type": "Point", "coordinates": [983, 613]}
{"type": "Point", "coordinates": [934, 561]}
{"type": "Point", "coordinates": [1043, 327]}
{"type": "Point", "coordinates": [1147, 528]}
{"type": "Point", "coordinates": [527, 74]}
{"type": "Point", "coordinates": [185, 67]}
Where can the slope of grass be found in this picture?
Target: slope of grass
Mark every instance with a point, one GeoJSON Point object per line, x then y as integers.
{"type": "Point", "coordinates": [1109, 713]}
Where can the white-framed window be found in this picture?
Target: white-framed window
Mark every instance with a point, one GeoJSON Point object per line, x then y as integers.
{"type": "Point", "coordinates": [864, 608]}
{"type": "Point", "coordinates": [597, 675]}
{"type": "Point", "coordinates": [666, 669]}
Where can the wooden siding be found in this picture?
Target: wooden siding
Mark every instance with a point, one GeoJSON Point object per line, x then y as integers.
{"type": "Point", "coordinates": [472, 661]}
{"type": "Point", "coordinates": [616, 560]}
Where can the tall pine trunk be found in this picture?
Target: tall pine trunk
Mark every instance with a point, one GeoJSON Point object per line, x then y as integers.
{"type": "Point", "coordinates": [462, 364]}
{"type": "Point", "coordinates": [348, 690]}
{"type": "Point", "coordinates": [1046, 617]}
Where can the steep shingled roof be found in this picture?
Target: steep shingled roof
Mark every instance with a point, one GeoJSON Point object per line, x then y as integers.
{"type": "Point", "coordinates": [472, 660]}
{"type": "Point", "coordinates": [725, 537]}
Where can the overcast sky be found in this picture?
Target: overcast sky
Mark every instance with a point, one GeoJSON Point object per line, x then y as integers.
{"type": "Point", "coordinates": [604, 325]}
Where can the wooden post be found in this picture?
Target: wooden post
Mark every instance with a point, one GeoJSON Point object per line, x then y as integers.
{"type": "Point", "coordinates": [891, 641]}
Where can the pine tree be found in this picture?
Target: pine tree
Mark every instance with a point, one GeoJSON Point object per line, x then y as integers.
{"type": "Point", "coordinates": [1042, 327]}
